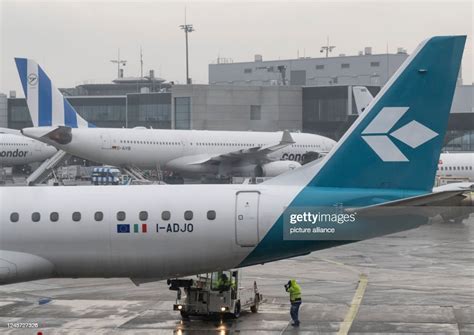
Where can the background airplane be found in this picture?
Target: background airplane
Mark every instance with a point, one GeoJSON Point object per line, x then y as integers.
{"type": "Point", "coordinates": [189, 152]}
{"type": "Point", "coordinates": [157, 232]}
{"type": "Point", "coordinates": [460, 165]}
{"type": "Point", "coordinates": [16, 149]}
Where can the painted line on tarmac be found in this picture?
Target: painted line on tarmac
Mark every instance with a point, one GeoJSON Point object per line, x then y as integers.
{"type": "Point", "coordinates": [348, 267]}
{"type": "Point", "coordinates": [355, 304]}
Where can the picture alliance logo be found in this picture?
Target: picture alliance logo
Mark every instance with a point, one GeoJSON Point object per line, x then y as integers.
{"type": "Point", "coordinates": [13, 153]}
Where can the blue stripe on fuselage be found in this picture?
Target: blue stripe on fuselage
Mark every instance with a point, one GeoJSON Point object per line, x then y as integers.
{"type": "Point", "coordinates": [45, 103]}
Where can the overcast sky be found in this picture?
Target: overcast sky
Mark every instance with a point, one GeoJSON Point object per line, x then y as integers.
{"type": "Point", "coordinates": [75, 41]}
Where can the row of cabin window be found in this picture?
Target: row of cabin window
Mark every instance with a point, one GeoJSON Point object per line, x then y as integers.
{"type": "Point", "coordinates": [450, 168]}
{"type": "Point", "coordinates": [227, 144]}
{"type": "Point", "coordinates": [16, 144]}
{"type": "Point", "coordinates": [212, 144]}
{"type": "Point", "coordinates": [149, 142]}
{"type": "Point", "coordinates": [99, 216]}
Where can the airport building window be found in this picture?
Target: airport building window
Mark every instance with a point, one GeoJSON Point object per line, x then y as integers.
{"type": "Point", "coordinates": [460, 140]}
{"type": "Point", "coordinates": [188, 215]}
{"type": "Point", "coordinates": [54, 216]}
{"type": "Point", "coordinates": [121, 216]}
{"type": "Point", "coordinates": [108, 111]}
{"type": "Point", "coordinates": [76, 216]}
{"type": "Point", "coordinates": [35, 217]}
{"type": "Point", "coordinates": [98, 216]}
{"type": "Point", "coordinates": [143, 216]}
{"type": "Point", "coordinates": [211, 215]}
{"type": "Point", "coordinates": [166, 215]}
{"type": "Point", "coordinates": [255, 112]}
{"type": "Point", "coordinates": [182, 113]}
{"type": "Point", "coordinates": [14, 217]}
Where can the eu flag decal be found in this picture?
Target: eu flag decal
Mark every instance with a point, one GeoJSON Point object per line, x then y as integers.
{"type": "Point", "coordinates": [123, 228]}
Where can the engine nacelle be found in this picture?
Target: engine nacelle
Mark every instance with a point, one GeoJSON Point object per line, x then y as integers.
{"type": "Point", "coordinates": [275, 168]}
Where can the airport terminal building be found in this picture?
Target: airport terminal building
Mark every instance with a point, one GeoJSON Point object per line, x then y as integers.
{"type": "Point", "coordinates": [311, 95]}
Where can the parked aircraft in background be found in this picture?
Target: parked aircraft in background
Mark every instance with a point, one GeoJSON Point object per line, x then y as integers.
{"type": "Point", "coordinates": [189, 152]}
{"type": "Point", "coordinates": [362, 98]}
{"type": "Point", "coordinates": [458, 165]}
{"type": "Point", "coordinates": [156, 232]}
{"type": "Point", "coordinates": [16, 149]}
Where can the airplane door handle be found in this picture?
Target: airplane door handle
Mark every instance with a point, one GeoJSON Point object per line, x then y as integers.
{"type": "Point", "coordinates": [240, 217]}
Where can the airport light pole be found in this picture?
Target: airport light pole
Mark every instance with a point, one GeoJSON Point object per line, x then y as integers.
{"type": "Point", "coordinates": [328, 48]}
{"type": "Point", "coordinates": [119, 62]}
{"type": "Point", "coordinates": [188, 28]}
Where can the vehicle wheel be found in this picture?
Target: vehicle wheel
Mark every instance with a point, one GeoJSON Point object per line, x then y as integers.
{"type": "Point", "coordinates": [256, 301]}
{"type": "Point", "coordinates": [254, 308]}
{"type": "Point", "coordinates": [236, 313]}
{"type": "Point", "coordinates": [184, 315]}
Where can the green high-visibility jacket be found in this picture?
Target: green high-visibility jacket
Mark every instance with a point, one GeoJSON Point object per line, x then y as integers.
{"type": "Point", "coordinates": [294, 290]}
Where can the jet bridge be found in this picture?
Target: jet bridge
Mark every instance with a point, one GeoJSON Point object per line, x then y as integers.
{"type": "Point", "coordinates": [46, 168]}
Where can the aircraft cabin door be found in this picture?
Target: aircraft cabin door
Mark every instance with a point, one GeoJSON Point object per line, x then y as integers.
{"type": "Point", "coordinates": [246, 218]}
{"type": "Point", "coordinates": [105, 138]}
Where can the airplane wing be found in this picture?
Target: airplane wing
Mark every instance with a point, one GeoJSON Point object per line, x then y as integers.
{"type": "Point", "coordinates": [9, 131]}
{"type": "Point", "coordinates": [19, 266]}
{"type": "Point", "coordinates": [256, 154]}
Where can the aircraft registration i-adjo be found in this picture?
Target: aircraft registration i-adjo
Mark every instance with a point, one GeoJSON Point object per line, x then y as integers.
{"type": "Point", "coordinates": [189, 152]}
{"type": "Point", "coordinates": [388, 157]}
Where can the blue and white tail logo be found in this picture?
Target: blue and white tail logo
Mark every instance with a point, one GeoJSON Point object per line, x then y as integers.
{"type": "Point", "coordinates": [377, 134]}
{"type": "Point", "coordinates": [46, 104]}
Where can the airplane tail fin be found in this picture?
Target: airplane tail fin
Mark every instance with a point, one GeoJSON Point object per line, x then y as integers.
{"type": "Point", "coordinates": [362, 98]}
{"type": "Point", "coordinates": [396, 142]}
{"type": "Point", "coordinates": [46, 104]}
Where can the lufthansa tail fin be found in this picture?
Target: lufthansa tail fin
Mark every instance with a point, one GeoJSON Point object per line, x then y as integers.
{"type": "Point", "coordinates": [396, 142]}
{"type": "Point", "coordinates": [46, 104]}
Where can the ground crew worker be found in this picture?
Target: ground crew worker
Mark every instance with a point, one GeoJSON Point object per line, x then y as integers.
{"type": "Point", "coordinates": [223, 283]}
{"type": "Point", "coordinates": [295, 298]}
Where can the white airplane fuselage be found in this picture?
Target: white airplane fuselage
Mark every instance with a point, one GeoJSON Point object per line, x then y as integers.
{"type": "Point", "coordinates": [173, 247]}
{"type": "Point", "coordinates": [167, 247]}
{"type": "Point", "coordinates": [456, 165]}
{"type": "Point", "coordinates": [184, 150]}
{"type": "Point", "coordinates": [20, 150]}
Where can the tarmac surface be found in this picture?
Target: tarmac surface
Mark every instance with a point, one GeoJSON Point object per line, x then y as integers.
{"type": "Point", "coordinates": [416, 282]}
